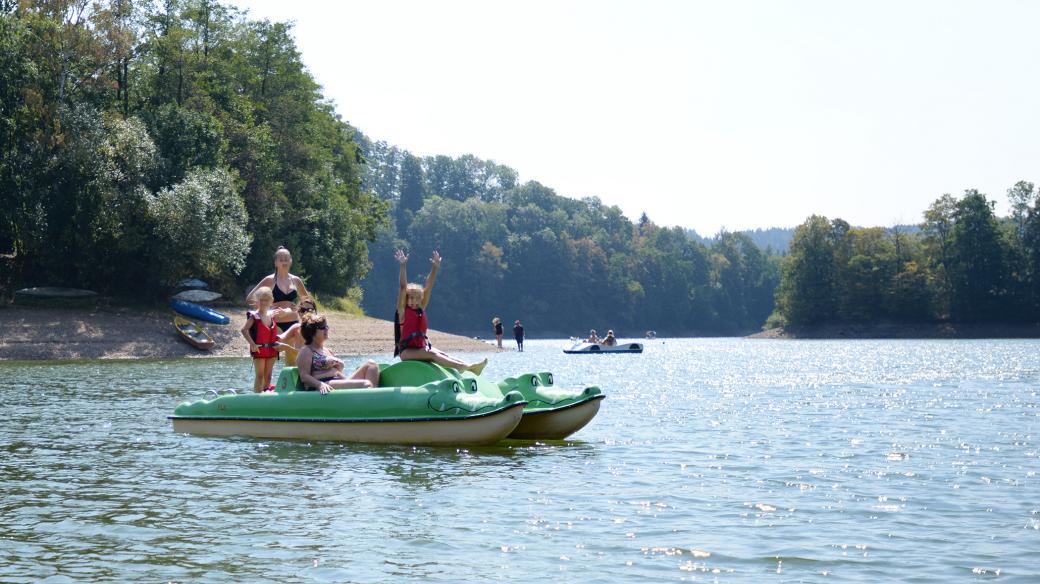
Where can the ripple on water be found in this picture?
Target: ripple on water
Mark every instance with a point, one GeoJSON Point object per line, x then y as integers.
{"type": "Point", "coordinates": [726, 459]}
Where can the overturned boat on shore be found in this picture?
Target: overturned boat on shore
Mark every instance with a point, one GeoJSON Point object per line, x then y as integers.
{"type": "Point", "coordinates": [443, 411]}
{"type": "Point", "coordinates": [550, 412]}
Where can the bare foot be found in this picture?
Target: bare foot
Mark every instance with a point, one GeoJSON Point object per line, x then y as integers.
{"type": "Point", "coordinates": [476, 368]}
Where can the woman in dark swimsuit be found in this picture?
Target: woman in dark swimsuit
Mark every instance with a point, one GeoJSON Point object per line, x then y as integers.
{"type": "Point", "coordinates": [499, 330]}
{"type": "Point", "coordinates": [320, 369]}
{"type": "Point", "coordinates": [288, 290]}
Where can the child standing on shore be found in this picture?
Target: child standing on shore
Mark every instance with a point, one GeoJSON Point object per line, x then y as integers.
{"type": "Point", "coordinates": [261, 331]}
{"type": "Point", "coordinates": [412, 299]}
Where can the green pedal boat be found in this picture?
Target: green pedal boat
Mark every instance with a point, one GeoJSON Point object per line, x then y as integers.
{"type": "Point", "coordinates": [550, 413]}
{"type": "Point", "coordinates": [442, 412]}
{"type": "Point", "coordinates": [416, 403]}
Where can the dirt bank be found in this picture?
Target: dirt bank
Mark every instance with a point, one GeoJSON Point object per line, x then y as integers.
{"type": "Point", "coordinates": [49, 332]}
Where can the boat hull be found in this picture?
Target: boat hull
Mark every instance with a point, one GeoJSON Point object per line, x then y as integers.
{"type": "Point", "coordinates": [476, 430]}
{"type": "Point", "coordinates": [193, 334]}
{"type": "Point", "coordinates": [551, 413]}
{"type": "Point", "coordinates": [556, 424]}
{"type": "Point", "coordinates": [596, 349]}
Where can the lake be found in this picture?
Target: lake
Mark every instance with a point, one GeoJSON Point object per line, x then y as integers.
{"type": "Point", "coordinates": [730, 460]}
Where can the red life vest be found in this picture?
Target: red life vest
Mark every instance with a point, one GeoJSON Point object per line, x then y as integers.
{"type": "Point", "coordinates": [413, 330]}
{"type": "Point", "coordinates": [265, 337]}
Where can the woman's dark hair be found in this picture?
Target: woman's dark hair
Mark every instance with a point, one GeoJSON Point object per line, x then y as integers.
{"type": "Point", "coordinates": [309, 325]}
{"type": "Point", "coordinates": [306, 306]}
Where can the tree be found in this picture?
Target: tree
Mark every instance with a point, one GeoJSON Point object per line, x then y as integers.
{"type": "Point", "coordinates": [977, 260]}
{"type": "Point", "coordinates": [807, 287]}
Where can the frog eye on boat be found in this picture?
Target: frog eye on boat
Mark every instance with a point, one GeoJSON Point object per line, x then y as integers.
{"type": "Point", "coordinates": [456, 387]}
{"type": "Point", "coordinates": [473, 385]}
{"type": "Point", "coordinates": [548, 379]}
{"type": "Point", "coordinates": [534, 381]}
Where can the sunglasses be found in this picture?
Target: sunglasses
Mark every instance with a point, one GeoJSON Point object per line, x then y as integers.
{"type": "Point", "coordinates": [323, 327]}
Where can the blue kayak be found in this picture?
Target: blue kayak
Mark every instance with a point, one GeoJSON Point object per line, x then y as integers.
{"type": "Point", "coordinates": [199, 312]}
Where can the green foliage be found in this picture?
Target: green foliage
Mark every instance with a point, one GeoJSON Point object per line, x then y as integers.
{"type": "Point", "coordinates": [561, 265]}
{"type": "Point", "coordinates": [142, 142]}
{"type": "Point", "coordinates": [201, 225]}
{"type": "Point", "coordinates": [965, 264]}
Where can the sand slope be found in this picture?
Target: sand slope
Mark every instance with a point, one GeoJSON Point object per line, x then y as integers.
{"type": "Point", "coordinates": [48, 332]}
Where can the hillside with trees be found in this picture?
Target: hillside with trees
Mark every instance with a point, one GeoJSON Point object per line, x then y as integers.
{"type": "Point", "coordinates": [142, 142]}
{"type": "Point", "coordinates": [562, 266]}
{"type": "Point", "coordinates": [963, 264]}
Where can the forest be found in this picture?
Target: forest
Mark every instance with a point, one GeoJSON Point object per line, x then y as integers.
{"type": "Point", "coordinates": [144, 142]}
{"type": "Point", "coordinates": [560, 265]}
{"type": "Point", "coordinates": [963, 263]}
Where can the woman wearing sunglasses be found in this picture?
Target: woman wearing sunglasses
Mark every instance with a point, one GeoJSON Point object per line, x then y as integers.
{"type": "Point", "coordinates": [320, 369]}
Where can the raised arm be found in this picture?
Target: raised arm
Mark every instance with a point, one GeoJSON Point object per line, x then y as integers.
{"type": "Point", "coordinates": [435, 264]}
{"type": "Point", "coordinates": [402, 293]}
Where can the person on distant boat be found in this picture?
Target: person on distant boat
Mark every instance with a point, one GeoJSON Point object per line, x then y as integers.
{"type": "Point", "coordinates": [319, 369]}
{"type": "Point", "coordinates": [261, 332]}
{"type": "Point", "coordinates": [609, 340]}
{"type": "Point", "coordinates": [593, 337]}
{"type": "Point", "coordinates": [288, 289]}
{"type": "Point", "coordinates": [499, 330]}
{"type": "Point", "coordinates": [410, 323]}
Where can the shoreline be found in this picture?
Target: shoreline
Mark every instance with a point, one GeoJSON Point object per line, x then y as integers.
{"type": "Point", "coordinates": [56, 333]}
{"type": "Point", "coordinates": [944, 330]}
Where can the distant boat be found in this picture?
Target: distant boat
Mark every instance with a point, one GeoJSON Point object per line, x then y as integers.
{"type": "Point", "coordinates": [199, 312]}
{"type": "Point", "coordinates": [54, 293]}
{"type": "Point", "coordinates": [192, 333]}
{"type": "Point", "coordinates": [582, 347]}
{"type": "Point", "coordinates": [192, 283]}
{"type": "Point", "coordinates": [196, 295]}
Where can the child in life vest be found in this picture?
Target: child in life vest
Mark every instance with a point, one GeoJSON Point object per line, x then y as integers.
{"type": "Point", "coordinates": [261, 332]}
{"type": "Point", "coordinates": [412, 342]}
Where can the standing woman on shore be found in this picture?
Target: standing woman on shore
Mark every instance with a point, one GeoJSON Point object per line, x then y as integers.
{"type": "Point", "coordinates": [288, 290]}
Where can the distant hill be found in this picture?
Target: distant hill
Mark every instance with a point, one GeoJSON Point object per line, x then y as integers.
{"type": "Point", "coordinates": [775, 238]}
{"type": "Point", "coordinates": [779, 238]}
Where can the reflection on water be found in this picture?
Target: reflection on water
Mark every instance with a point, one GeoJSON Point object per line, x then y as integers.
{"type": "Point", "coordinates": [727, 459]}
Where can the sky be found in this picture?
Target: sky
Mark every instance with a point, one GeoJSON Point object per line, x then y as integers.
{"type": "Point", "coordinates": [707, 115]}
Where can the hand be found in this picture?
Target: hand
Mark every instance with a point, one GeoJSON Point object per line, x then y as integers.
{"type": "Point", "coordinates": [253, 347]}
{"type": "Point", "coordinates": [336, 363]}
{"type": "Point", "coordinates": [324, 388]}
{"type": "Point", "coordinates": [436, 258]}
{"type": "Point", "coordinates": [400, 257]}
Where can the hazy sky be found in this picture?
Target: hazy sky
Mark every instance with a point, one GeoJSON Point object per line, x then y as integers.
{"type": "Point", "coordinates": [702, 114]}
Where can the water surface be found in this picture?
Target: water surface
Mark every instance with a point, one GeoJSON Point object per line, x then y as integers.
{"type": "Point", "coordinates": [726, 460]}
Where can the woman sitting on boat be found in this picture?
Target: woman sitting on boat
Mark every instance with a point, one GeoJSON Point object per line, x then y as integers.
{"type": "Point", "coordinates": [320, 369]}
{"type": "Point", "coordinates": [593, 337]}
{"type": "Point", "coordinates": [609, 340]}
{"type": "Point", "coordinates": [288, 289]}
{"type": "Point", "coordinates": [410, 324]}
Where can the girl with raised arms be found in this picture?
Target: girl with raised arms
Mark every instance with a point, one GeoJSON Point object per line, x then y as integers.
{"type": "Point", "coordinates": [412, 300]}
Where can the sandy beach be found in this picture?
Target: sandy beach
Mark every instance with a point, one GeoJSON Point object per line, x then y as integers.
{"type": "Point", "coordinates": [39, 333]}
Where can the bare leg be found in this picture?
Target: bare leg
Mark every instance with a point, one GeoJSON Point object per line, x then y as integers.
{"type": "Point", "coordinates": [268, 371]}
{"type": "Point", "coordinates": [258, 379]}
{"type": "Point", "coordinates": [368, 370]}
{"type": "Point", "coordinates": [441, 358]}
